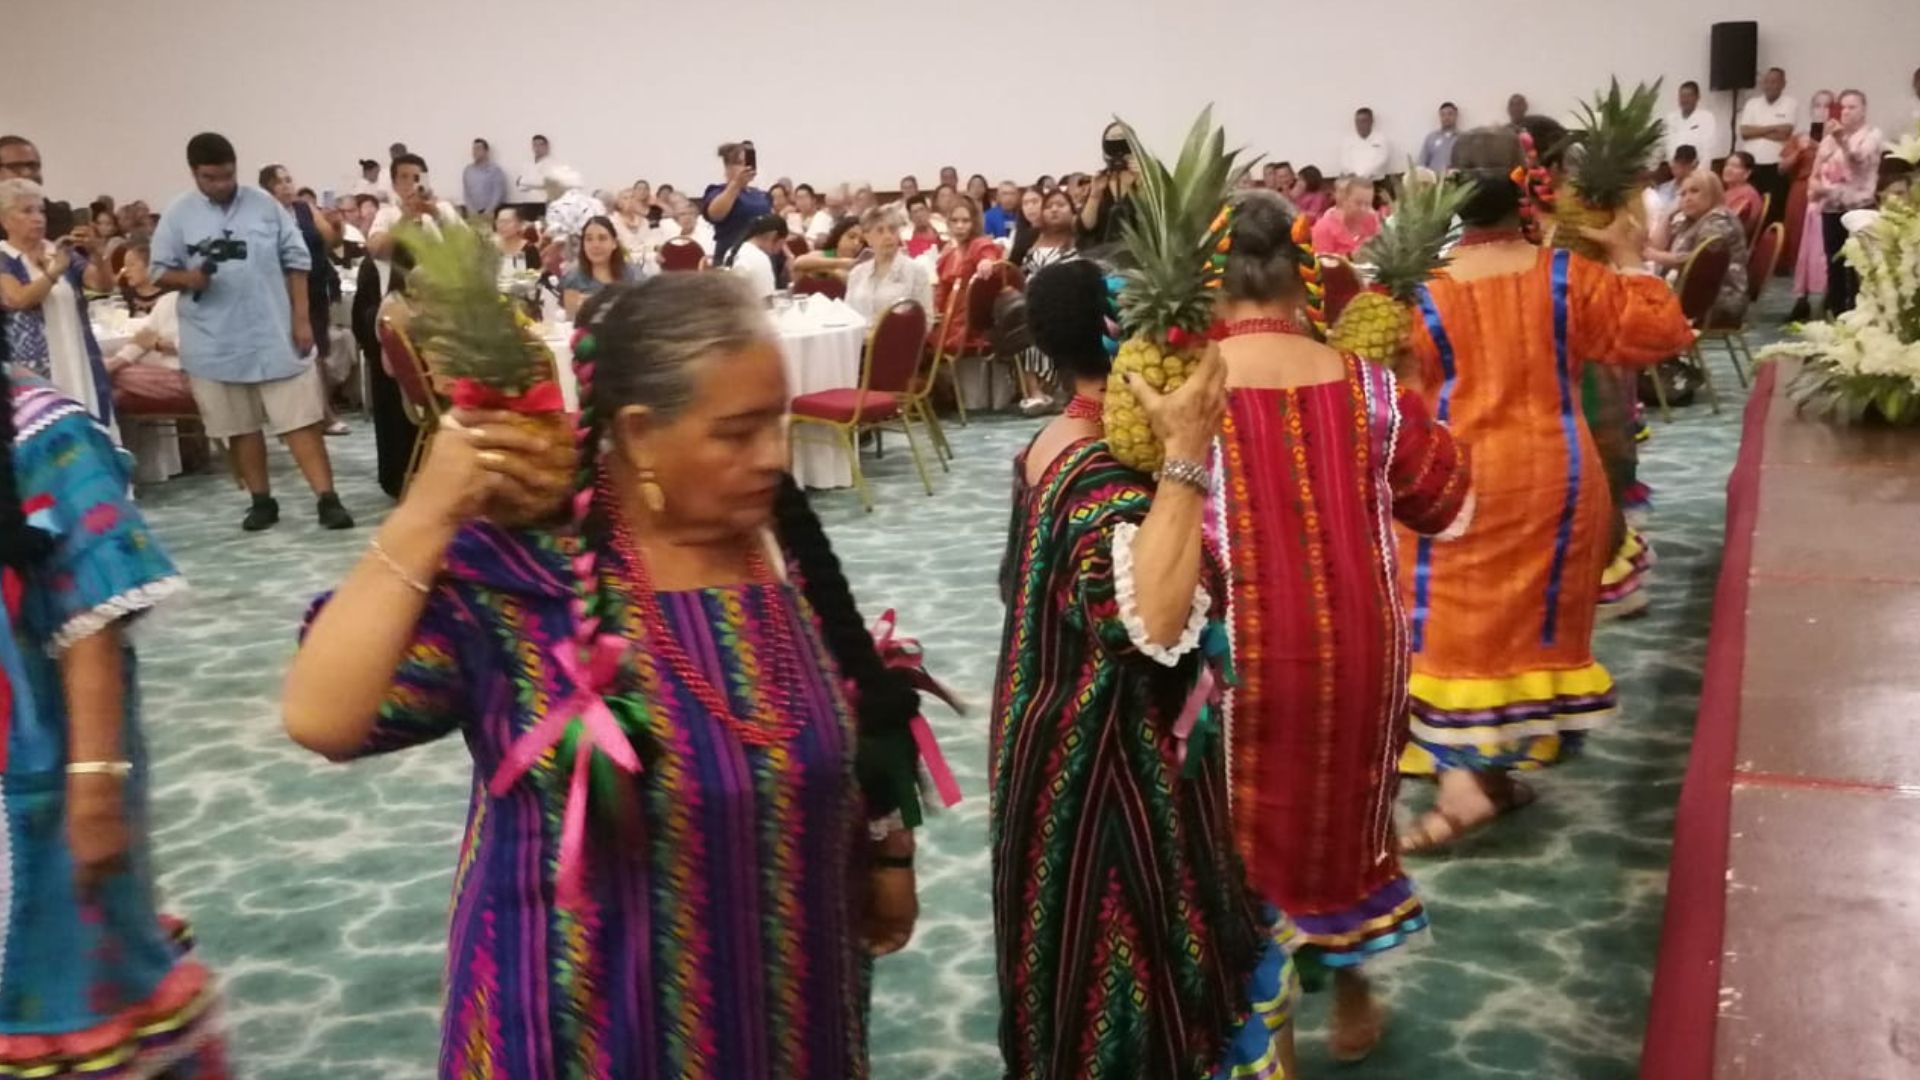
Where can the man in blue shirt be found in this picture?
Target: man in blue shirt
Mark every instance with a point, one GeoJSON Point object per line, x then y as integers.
{"type": "Point", "coordinates": [1003, 216]}
{"type": "Point", "coordinates": [246, 342]}
{"type": "Point", "coordinates": [484, 184]}
{"type": "Point", "coordinates": [731, 208]}
{"type": "Point", "coordinates": [1436, 152]}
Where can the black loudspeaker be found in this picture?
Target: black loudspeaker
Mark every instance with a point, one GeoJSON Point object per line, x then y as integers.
{"type": "Point", "coordinates": [1736, 55]}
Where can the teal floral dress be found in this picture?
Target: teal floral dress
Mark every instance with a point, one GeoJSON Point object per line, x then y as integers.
{"type": "Point", "coordinates": [92, 986]}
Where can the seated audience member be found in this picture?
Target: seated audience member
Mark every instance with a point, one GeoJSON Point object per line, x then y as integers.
{"type": "Point", "coordinates": [137, 287]}
{"type": "Point", "coordinates": [1054, 241]}
{"type": "Point", "coordinates": [969, 256]}
{"type": "Point", "coordinates": [1703, 219]}
{"type": "Point", "coordinates": [979, 190]}
{"type": "Point", "coordinates": [630, 224]}
{"type": "Point", "coordinates": [886, 276]}
{"type": "Point", "coordinates": [754, 259]}
{"type": "Point", "coordinates": [1312, 194]}
{"type": "Point", "coordinates": [1002, 219]}
{"type": "Point", "coordinates": [106, 238]}
{"type": "Point", "coordinates": [909, 187]}
{"type": "Point", "coordinates": [1743, 198]}
{"type": "Point", "coordinates": [1351, 222]}
{"type": "Point", "coordinates": [1044, 184]}
{"type": "Point", "coordinates": [950, 176]}
{"type": "Point", "coordinates": [808, 218]}
{"type": "Point", "coordinates": [838, 201]}
{"type": "Point", "coordinates": [569, 207]}
{"type": "Point", "coordinates": [840, 252]}
{"type": "Point", "coordinates": [863, 200]}
{"type": "Point", "coordinates": [510, 236]}
{"type": "Point", "coordinates": [602, 262]}
{"type": "Point", "coordinates": [734, 204]}
{"type": "Point", "coordinates": [921, 237]}
{"type": "Point", "coordinates": [686, 222]}
{"type": "Point", "coordinates": [133, 218]}
{"type": "Point", "coordinates": [1026, 229]}
{"type": "Point", "coordinates": [780, 197]}
{"type": "Point", "coordinates": [146, 370]}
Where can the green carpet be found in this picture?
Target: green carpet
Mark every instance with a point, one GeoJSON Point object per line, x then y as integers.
{"type": "Point", "coordinates": [320, 891]}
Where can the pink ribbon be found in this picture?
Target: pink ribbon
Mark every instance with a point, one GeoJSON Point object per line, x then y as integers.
{"type": "Point", "coordinates": [943, 781]}
{"type": "Point", "coordinates": [1190, 712]}
{"type": "Point", "coordinates": [905, 654]}
{"type": "Point", "coordinates": [586, 703]}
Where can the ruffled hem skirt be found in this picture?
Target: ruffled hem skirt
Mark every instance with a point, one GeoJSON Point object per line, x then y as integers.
{"type": "Point", "coordinates": [1387, 918]}
{"type": "Point", "coordinates": [1253, 1050]}
{"type": "Point", "coordinates": [1524, 721]}
{"type": "Point", "coordinates": [1624, 582]}
{"type": "Point", "coordinates": [172, 1034]}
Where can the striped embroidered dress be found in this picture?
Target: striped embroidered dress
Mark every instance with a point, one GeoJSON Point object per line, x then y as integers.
{"type": "Point", "coordinates": [1502, 619]}
{"type": "Point", "coordinates": [1309, 482]}
{"type": "Point", "coordinates": [718, 940]}
{"type": "Point", "coordinates": [1128, 942]}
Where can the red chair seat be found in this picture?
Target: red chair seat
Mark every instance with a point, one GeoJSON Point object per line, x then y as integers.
{"type": "Point", "coordinates": [147, 390]}
{"type": "Point", "coordinates": [840, 406]}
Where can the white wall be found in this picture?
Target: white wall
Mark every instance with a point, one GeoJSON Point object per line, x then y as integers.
{"type": "Point", "coordinates": [856, 90]}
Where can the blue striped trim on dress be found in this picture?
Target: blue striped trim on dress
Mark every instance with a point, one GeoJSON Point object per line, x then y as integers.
{"type": "Point", "coordinates": [1423, 556]}
{"type": "Point", "coordinates": [1570, 427]}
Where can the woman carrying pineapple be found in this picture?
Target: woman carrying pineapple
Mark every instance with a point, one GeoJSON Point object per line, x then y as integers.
{"type": "Point", "coordinates": [1321, 452]}
{"type": "Point", "coordinates": [1502, 620]}
{"type": "Point", "coordinates": [1129, 943]}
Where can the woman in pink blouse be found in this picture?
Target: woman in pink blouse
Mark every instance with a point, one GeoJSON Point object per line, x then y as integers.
{"type": "Point", "coordinates": [1352, 221]}
{"type": "Point", "coordinates": [1844, 171]}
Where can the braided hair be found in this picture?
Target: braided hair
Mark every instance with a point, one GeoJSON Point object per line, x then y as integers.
{"type": "Point", "coordinates": [886, 701]}
{"type": "Point", "coordinates": [21, 545]}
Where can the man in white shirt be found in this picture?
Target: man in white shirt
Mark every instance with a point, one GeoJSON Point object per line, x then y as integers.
{"type": "Point", "coordinates": [371, 182]}
{"type": "Point", "coordinates": [1691, 125]}
{"type": "Point", "coordinates": [753, 259]}
{"type": "Point", "coordinates": [1767, 123]}
{"type": "Point", "coordinates": [531, 185]}
{"type": "Point", "coordinates": [1365, 153]}
{"type": "Point", "coordinates": [413, 201]}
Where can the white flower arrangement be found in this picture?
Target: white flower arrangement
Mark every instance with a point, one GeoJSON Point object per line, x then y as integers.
{"type": "Point", "coordinates": [1867, 361]}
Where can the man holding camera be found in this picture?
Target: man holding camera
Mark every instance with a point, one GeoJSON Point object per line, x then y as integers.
{"type": "Point", "coordinates": [246, 340]}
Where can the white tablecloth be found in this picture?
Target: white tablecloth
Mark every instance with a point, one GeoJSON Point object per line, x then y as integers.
{"type": "Point", "coordinates": [821, 346]}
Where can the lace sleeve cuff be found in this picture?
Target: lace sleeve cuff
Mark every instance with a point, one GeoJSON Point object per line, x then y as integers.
{"type": "Point", "coordinates": [97, 618]}
{"type": "Point", "coordinates": [1128, 596]}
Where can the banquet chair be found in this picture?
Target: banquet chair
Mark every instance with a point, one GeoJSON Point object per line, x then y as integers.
{"type": "Point", "coordinates": [974, 304]}
{"type": "Point", "coordinates": [797, 246]}
{"type": "Point", "coordinates": [1699, 288]}
{"type": "Point", "coordinates": [1760, 267]}
{"type": "Point", "coordinates": [417, 396]}
{"type": "Point", "coordinates": [1340, 283]}
{"type": "Point", "coordinates": [682, 253]}
{"type": "Point", "coordinates": [1757, 222]}
{"type": "Point", "coordinates": [884, 400]}
{"type": "Point", "coordinates": [830, 287]}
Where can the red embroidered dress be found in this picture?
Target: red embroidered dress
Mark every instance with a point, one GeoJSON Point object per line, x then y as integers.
{"type": "Point", "coordinates": [1309, 482]}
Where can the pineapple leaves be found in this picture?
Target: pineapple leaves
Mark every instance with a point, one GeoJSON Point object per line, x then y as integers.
{"type": "Point", "coordinates": [1616, 144]}
{"type": "Point", "coordinates": [462, 323]}
{"type": "Point", "coordinates": [1170, 235]}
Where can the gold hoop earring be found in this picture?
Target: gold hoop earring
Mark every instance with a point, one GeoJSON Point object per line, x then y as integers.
{"type": "Point", "coordinates": [651, 493]}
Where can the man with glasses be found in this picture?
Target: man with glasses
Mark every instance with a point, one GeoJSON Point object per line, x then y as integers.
{"type": "Point", "coordinates": [20, 159]}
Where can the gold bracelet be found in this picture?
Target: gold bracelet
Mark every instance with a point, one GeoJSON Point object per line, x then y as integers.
{"type": "Point", "coordinates": [414, 583]}
{"type": "Point", "coordinates": [119, 770]}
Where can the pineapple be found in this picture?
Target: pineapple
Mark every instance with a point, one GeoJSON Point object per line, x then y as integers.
{"type": "Point", "coordinates": [1605, 163]}
{"type": "Point", "coordinates": [1166, 292]}
{"type": "Point", "coordinates": [1407, 251]}
{"type": "Point", "coordinates": [463, 325]}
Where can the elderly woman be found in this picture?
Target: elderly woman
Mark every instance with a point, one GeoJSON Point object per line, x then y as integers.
{"type": "Point", "coordinates": [147, 369]}
{"type": "Point", "coordinates": [1351, 223]}
{"type": "Point", "coordinates": [1846, 169]}
{"type": "Point", "coordinates": [1702, 219]}
{"type": "Point", "coordinates": [886, 276]}
{"type": "Point", "coordinates": [43, 302]}
{"type": "Point", "coordinates": [1111, 856]}
{"type": "Point", "coordinates": [688, 639]}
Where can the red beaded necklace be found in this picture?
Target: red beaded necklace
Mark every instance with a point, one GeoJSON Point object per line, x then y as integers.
{"type": "Point", "coordinates": [774, 719]}
{"type": "Point", "coordinates": [1265, 325]}
{"type": "Point", "coordinates": [1083, 407]}
{"type": "Point", "coordinates": [1481, 237]}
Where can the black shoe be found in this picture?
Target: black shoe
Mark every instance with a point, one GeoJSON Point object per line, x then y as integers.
{"type": "Point", "coordinates": [332, 514]}
{"type": "Point", "coordinates": [263, 515]}
{"type": "Point", "coordinates": [1802, 311]}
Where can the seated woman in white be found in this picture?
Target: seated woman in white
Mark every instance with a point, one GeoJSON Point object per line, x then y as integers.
{"type": "Point", "coordinates": [888, 277]}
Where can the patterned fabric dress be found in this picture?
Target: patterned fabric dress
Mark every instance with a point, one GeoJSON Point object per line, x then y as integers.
{"type": "Point", "coordinates": [1128, 942]}
{"type": "Point", "coordinates": [1502, 619]}
{"type": "Point", "coordinates": [1309, 483]}
{"type": "Point", "coordinates": [94, 987]}
{"type": "Point", "coordinates": [718, 941]}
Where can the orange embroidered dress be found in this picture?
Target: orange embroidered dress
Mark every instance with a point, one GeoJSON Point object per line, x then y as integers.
{"type": "Point", "coordinates": [1502, 619]}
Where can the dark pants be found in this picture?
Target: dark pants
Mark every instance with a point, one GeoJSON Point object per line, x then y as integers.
{"type": "Point", "coordinates": [1842, 283]}
{"type": "Point", "coordinates": [1769, 180]}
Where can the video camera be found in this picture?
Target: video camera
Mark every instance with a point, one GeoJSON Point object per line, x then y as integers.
{"type": "Point", "coordinates": [215, 250]}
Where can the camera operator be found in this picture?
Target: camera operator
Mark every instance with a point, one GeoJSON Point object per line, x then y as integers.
{"type": "Point", "coordinates": [1110, 202]}
{"type": "Point", "coordinates": [246, 338]}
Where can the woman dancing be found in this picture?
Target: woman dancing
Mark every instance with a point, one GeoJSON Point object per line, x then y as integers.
{"type": "Point", "coordinates": [1128, 942]}
{"type": "Point", "coordinates": [1502, 620]}
{"type": "Point", "coordinates": [716, 916]}
{"type": "Point", "coordinates": [1319, 455]}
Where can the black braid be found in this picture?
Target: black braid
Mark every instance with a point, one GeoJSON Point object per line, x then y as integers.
{"type": "Point", "coordinates": [888, 702]}
{"type": "Point", "coordinates": [21, 545]}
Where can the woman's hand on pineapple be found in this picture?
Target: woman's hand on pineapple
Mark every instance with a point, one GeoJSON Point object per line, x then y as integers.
{"type": "Point", "coordinates": [1624, 238]}
{"type": "Point", "coordinates": [1186, 420]}
{"type": "Point", "coordinates": [484, 463]}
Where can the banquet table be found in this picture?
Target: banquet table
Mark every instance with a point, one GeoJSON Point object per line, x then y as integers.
{"type": "Point", "coordinates": [821, 341]}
